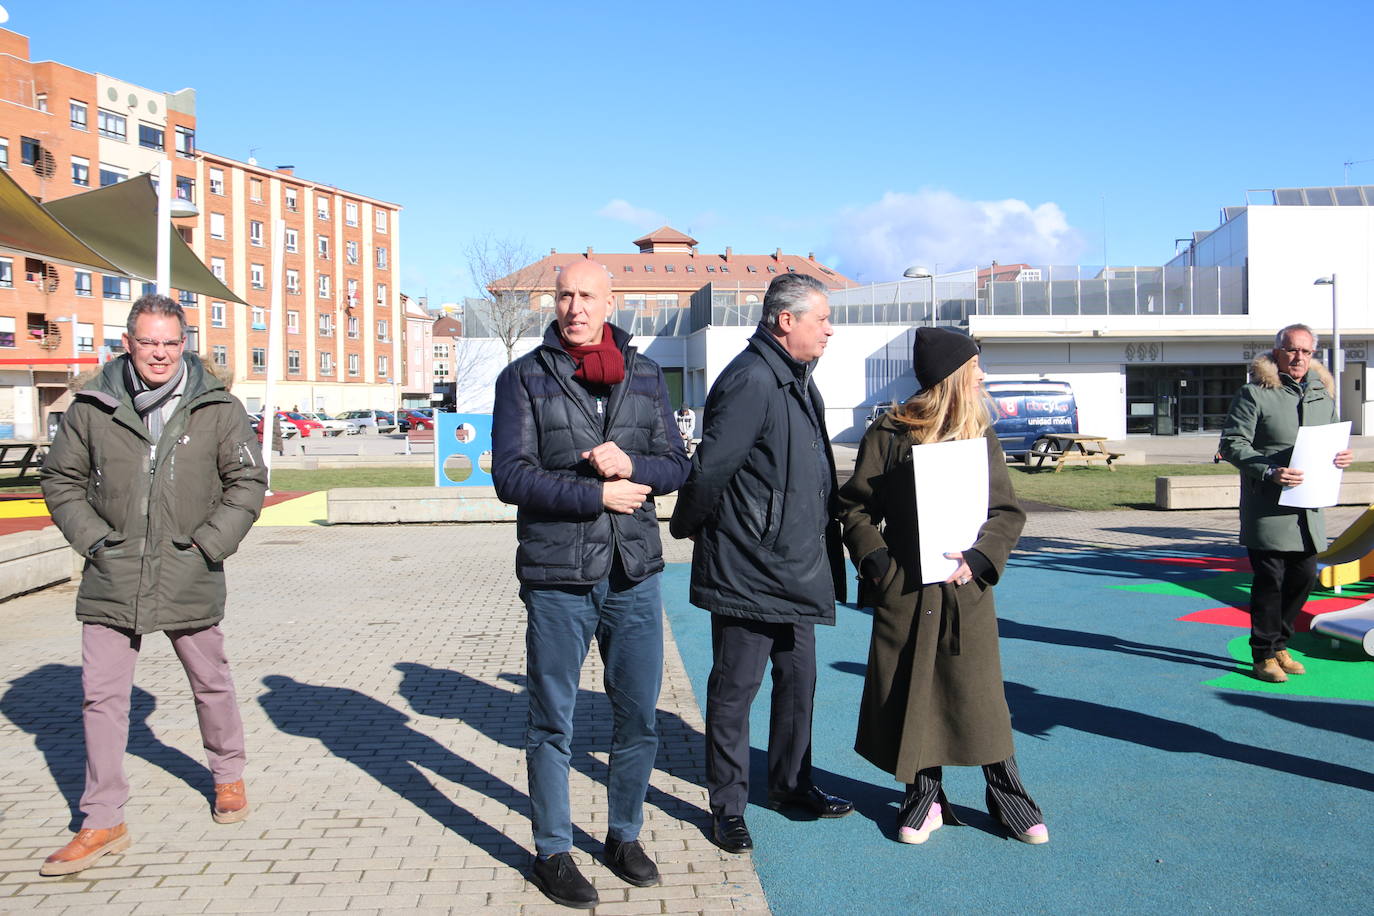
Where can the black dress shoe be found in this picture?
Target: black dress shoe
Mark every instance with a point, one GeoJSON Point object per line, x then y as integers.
{"type": "Point", "coordinates": [629, 863]}
{"type": "Point", "coordinates": [558, 877]}
{"type": "Point", "coordinates": [813, 799]}
{"type": "Point", "coordinates": [731, 833]}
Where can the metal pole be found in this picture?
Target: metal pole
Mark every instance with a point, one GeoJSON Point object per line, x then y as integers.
{"type": "Point", "coordinates": [164, 228]}
{"type": "Point", "coordinates": [275, 341]}
{"type": "Point", "coordinates": [1336, 353]}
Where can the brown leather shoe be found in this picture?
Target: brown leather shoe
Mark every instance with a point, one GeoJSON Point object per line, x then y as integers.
{"type": "Point", "coordinates": [1288, 663]}
{"type": "Point", "coordinates": [1269, 670]}
{"type": "Point", "coordinates": [231, 802]}
{"type": "Point", "coordinates": [85, 848]}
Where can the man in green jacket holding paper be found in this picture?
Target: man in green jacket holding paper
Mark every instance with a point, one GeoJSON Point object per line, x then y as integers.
{"type": "Point", "coordinates": [155, 477]}
{"type": "Point", "coordinates": [1286, 390]}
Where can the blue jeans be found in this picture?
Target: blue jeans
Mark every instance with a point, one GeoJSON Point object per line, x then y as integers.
{"type": "Point", "coordinates": [627, 620]}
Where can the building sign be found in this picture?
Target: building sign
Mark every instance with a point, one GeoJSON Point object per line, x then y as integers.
{"type": "Point", "coordinates": [1144, 352]}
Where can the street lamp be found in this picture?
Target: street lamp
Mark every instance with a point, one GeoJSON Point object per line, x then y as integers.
{"type": "Point", "coordinates": [924, 273]}
{"type": "Point", "coordinates": [1336, 353]}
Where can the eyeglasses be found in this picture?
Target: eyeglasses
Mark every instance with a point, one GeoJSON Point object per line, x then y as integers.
{"type": "Point", "coordinates": [1295, 352]}
{"type": "Point", "coordinates": [150, 344]}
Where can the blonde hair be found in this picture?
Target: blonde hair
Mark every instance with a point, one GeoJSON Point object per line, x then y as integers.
{"type": "Point", "coordinates": [956, 407]}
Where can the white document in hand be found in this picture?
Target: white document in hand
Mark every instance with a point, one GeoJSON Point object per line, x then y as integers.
{"type": "Point", "coordinates": [951, 501]}
{"type": "Point", "coordinates": [1313, 454]}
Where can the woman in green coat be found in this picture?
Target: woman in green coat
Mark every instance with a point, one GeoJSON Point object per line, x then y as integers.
{"type": "Point", "coordinates": [933, 693]}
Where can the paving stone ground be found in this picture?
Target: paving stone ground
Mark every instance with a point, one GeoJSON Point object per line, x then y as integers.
{"type": "Point", "coordinates": [379, 673]}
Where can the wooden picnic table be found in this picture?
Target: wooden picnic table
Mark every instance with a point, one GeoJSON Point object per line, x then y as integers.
{"type": "Point", "coordinates": [22, 454]}
{"type": "Point", "coordinates": [1075, 448]}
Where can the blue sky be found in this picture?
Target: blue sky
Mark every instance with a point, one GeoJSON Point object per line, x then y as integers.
{"type": "Point", "coordinates": [878, 135]}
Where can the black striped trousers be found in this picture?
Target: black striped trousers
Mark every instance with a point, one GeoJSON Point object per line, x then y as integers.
{"type": "Point", "coordinates": [1007, 798]}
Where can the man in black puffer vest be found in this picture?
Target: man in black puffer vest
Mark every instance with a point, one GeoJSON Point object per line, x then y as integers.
{"type": "Point", "coordinates": [582, 438]}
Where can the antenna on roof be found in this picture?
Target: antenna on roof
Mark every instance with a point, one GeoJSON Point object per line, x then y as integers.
{"type": "Point", "coordinates": [1346, 164]}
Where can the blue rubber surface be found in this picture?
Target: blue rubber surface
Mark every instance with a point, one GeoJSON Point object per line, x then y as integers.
{"type": "Point", "coordinates": [1161, 794]}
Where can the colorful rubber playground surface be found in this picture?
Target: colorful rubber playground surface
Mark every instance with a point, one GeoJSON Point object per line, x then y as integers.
{"type": "Point", "coordinates": [1171, 781]}
{"type": "Point", "coordinates": [27, 512]}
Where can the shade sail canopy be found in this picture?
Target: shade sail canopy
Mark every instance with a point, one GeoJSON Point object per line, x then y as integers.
{"type": "Point", "coordinates": [120, 222]}
{"type": "Point", "coordinates": [28, 229]}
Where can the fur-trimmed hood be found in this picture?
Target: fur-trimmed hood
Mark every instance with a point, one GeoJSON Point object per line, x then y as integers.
{"type": "Point", "coordinates": [1264, 371]}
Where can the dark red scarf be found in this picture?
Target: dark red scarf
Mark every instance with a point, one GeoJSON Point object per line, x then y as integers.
{"type": "Point", "coordinates": [598, 364]}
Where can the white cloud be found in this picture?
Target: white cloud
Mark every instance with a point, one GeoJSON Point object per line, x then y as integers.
{"type": "Point", "coordinates": [626, 212]}
{"type": "Point", "coordinates": [878, 241]}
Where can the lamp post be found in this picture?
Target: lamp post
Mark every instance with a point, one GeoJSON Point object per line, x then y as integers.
{"type": "Point", "coordinates": [1336, 353]}
{"type": "Point", "coordinates": [169, 207]}
{"type": "Point", "coordinates": [924, 273]}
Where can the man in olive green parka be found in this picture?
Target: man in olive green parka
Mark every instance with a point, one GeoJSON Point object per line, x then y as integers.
{"type": "Point", "coordinates": [155, 476]}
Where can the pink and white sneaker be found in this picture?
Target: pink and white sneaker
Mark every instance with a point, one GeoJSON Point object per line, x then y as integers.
{"type": "Point", "coordinates": [1035, 835]}
{"type": "Point", "coordinates": [932, 823]}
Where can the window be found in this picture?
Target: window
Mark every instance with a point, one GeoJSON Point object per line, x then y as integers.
{"type": "Point", "coordinates": [383, 328]}
{"type": "Point", "coordinates": [81, 171]}
{"type": "Point", "coordinates": [322, 244]}
{"type": "Point", "coordinates": [187, 299]}
{"type": "Point", "coordinates": [441, 351]}
{"type": "Point", "coordinates": [441, 370]}
{"type": "Point", "coordinates": [293, 362]}
{"type": "Point", "coordinates": [41, 101]}
{"type": "Point", "coordinates": [322, 208]}
{"type": "Point", "coordinates": [186, 142]}
{"type": "Point", "coordinates": [381, 221]}
{"type": "Point", "coordinates": [114, 337]}
{"type": "Point", "coordinates": [352, 293]}
{"type": "Point", "coordinates": [115, 287]}
{"type": "Point", "coordinates": [150, 136]}
{"type": "Point", "coordinates": [147, 289]}
{"type": "Point", "coordinates": [691, 269]}
{"type": "Point", "coordinates": [710, 269]}
{"type": "Point", "coordinates": [381, 258]}
{"type": "Point", "coordinates": [186, 188]}
{"type": "Point", "coordinates": [326, 324]}
{"type": "Point", "coordinates": [255, 190]}
{"type": "Point", "coordinates": [216, 314]}
{"type": "Point", "coordinates": [323, 286]}
{"type": "Point", "coordinates": [85, 338]}
{"type": "Point", "coordinates": [28, 150]}
{"type": "Point", "coordinates": [111, 125]}
{"type": "Point", "coordinates": [78, 115]}
{"type": "Point", "coordinates": [255, 232]}
{"type": "Point", "coordinates": [669, 268]}
{"type": "Point", "coordinates": [82, 284]}
{"type": "Point", "coordinates": [292, 240]}
{"type": "Point", "coordinates": [326, 363]}
{"type": "Point", "coordinates": [259, 359]}
{"type": "Point", "coordinates": [353, 327]}
{"type": "Point", "coordinates": [259, 318]}
{"type": "Point", "coordinates": [216, 225]}
{"type": "Point", "coordinates": [290, 195]}
{"type": "Point", "coordinates": [351, 252]}
{"type": "Point", "coordinates": [381, 294]}
{"type": "Point", "coordinates": [7, 326]}
{"type": "Point", "coordinates": [217, 181]}
{"type": "Point", "coordinates": [257, 276]}
{"type": "Point", "coordinates": [217, 268]}
{"type": "Point", "coordinates": [751, 268]}
{"type": "Point", "coordinates": [293, 322]}
{"type": "Point", "coordinates": [219, 354]}
{"type": "Point", "coordinates": [350, 213]}
{"type": "Point", "coordinates": [4, 153]}
{"type": "Point", "coordinates": [111, 174]}
{"type": "Point", "coordinates": [648, 268]}
{"type": "Point", "coordinates": [6, 273]}
{"type": "Point", "coordinates": [293, 281]}
{"type": "Point", "coordinates": [353, 364]}
{"type": "Point", "coordinates": [383, 366]}
{"type": "Point", "coordinates": [724, 269]}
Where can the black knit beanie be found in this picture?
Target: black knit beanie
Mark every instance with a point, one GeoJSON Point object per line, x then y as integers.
{"type": "Point", "coordinates": [938, 353]}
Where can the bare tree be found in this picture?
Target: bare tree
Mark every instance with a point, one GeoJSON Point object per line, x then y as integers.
{"type": "Point", "coordinates": [508, 281]}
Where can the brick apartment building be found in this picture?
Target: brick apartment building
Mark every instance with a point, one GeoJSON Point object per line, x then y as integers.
{"type": "Point", "coordinates": [64, 131]}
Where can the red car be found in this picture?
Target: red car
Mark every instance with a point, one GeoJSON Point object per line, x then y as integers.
{"type": "Point", "coordinates": [292, 420]}
{"type": "Point", "coordinates": [415, 419]}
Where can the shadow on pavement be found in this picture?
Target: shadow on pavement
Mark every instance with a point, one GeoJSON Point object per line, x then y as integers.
{"type": "Point", "coordinates": [500, 715]}
{"type": "Point", "coordinates": [1350, 719]}
{"type": "Point", "coordinates": [46, 703]}
{"type": "Point", "coordinates": [380, 741]}
{"type": "Point", "coordinates": [1011, 629]}
{"type": "Point", "coordinates": [1037, 714]}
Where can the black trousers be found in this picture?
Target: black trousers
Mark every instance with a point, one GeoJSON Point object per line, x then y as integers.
{"type": "Point", "coordinates": [1278, 591]}
{"type": "Point", "coordinates": [740, 649]}
{"type": "Point", "coordinates": [1006, 797]}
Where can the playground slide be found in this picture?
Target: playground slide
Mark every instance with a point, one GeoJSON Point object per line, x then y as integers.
{"type": "Point", "coordinates": [1354, 624]}
{"type": "Point", "coordinates": [1350, 557]}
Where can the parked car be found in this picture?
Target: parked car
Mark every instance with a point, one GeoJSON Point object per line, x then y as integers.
{"type": "Point", "coordinates": [334, 426]}
{"type": "Point", "coordinates": [417, 418]}
{"type": "Point", "coordinates": [304, 424]}
{"type": "Point", "coordinates": [287, 429]}
{"type": "Point", "coordinates": [1027, 411]}
{"type": "Point", "coordinates": [371, 421]}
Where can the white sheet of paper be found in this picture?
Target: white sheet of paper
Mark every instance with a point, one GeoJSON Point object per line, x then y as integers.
{"type": "Point", "coordinates": [951, 501]}
{"type": "Point", "coordinates": [1313, 452]}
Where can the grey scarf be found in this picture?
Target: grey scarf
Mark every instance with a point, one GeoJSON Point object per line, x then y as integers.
{"type": "Point", "coordinates": [148, 401]}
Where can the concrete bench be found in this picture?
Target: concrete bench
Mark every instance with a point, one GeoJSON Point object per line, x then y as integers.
{"type": "Point", "coordinates": [35, 559]}
{"type": "Point", "coordinates": [1222, 491]}
{"type": "Point", "coordinates": [397, 505]}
